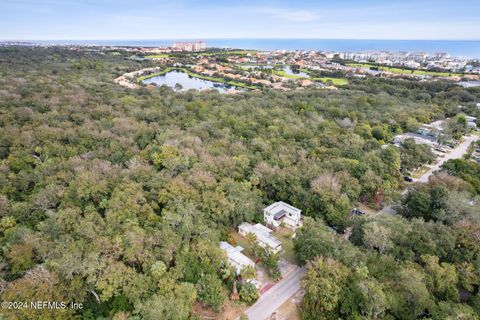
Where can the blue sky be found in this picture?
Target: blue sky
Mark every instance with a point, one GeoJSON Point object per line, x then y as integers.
{"type": "Point", "coordinates": [149, 19]}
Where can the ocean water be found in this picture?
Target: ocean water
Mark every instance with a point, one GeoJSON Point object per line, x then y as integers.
{"type": "Point", "coordinates": [468, 49]}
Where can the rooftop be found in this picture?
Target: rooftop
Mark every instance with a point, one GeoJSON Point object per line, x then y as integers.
{"type": "Point", "coordinates": [280, 206]}
{"type": "Point", "coordinates": [235, 256]}
{"type": "Point", "coordinates": [262, 233]}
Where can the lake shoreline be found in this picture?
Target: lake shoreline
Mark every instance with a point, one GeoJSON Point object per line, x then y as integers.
{"type": "Point", "coordinates": [227, 85]}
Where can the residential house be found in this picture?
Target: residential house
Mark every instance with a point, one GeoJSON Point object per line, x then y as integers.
{"type": "Point", "coordinates": [264, 236]}
{"type": "Point", "coordinates": [432, 130]}
{"type": "Point", "coordinates": [471, 122]}
{"type": "Point", "coordinates": [281, 213]}
{"type": "Point", "coordinates": [235, 256]}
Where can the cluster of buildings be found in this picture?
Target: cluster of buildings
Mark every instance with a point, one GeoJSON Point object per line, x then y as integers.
{"type": "Point", "coordinates": [433, 134]}
{"type": "Point", "coordinates": [278, 214]}
{"type": "Point", "coordinates": [329, 62]}
{"type": "Point", "coordinates": [292, 70]}
{"type": "Point", "coordinates": [194, 46]}
{"type": "Point", "coordinates": [428, 134]}
{"type": "Point", "coordinates": [245, 69]}
{"type": "Point", "coordinates": [413, 60]}
{"type": "Point", "coordinates": [185, 46]}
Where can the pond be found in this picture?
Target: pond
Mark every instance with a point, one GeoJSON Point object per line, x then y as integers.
{"type": "Point", "coordinates": [288, 70]}
{"type": "Point", "coordinates": [180, 81]}
{"type": "Point", "coordinates": [469, 84]}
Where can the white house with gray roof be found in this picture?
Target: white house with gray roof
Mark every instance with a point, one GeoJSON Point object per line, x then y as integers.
{"type": "Point", "coordinates": [235, 256]}
{"type": "Point", "coordinates": [264, 236]}
{"type": "Point", "coordinates": [282, 213]}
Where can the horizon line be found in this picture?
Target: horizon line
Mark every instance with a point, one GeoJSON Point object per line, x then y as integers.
{"type": "Point", "coordinates": [236, 38]}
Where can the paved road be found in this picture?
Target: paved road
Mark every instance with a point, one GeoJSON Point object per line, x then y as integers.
{"type": "Point", "coordinates": [455, 153]}
{"type": "Point", "coordinates": [276, 296]}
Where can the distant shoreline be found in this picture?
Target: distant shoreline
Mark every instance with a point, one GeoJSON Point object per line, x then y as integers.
{"type": "Point", "coordinates": [456, 48]}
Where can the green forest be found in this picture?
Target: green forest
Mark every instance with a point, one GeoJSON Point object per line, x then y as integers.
{"type": "Point", "coordinates": [117, 198]}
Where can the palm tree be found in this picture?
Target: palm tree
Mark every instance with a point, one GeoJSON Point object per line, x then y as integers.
{"type": "Point", "coordinates": [248, 272]}
{"type": "Point", "coordinates": [252, 242]}
{"type": "Point", "coordinates": [228, 273]}
{"type": "Point", "coordinates": [270, 261]}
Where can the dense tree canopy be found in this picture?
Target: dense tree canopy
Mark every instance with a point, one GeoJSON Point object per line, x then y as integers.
{"type": "Point", "coordinates": [117, 198]}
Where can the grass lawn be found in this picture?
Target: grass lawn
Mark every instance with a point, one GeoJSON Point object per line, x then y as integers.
{"type": "Point", "coordinates": [241, 241]}
{"type": "Point", "coordinates": [290, 309]}
{"type": "Point", "coordinates": [158, 56]}
{"type": "Point", "coordinates": [420, 172]}
{"type": "Point", "coordinates": [285, 237]}
{"type": "Point", "coordinates": [335, 81]}
{"type": "Point", "coordinates": [282, 73]}
{"type": "Point", "coordinates": [405, 71]}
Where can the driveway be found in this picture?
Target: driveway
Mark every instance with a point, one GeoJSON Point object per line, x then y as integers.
{"type": "Point", "coordinates": [276, 296]}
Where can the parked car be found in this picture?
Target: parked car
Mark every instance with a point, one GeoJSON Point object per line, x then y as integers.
{"type": "Point", "coordinates": [358, 212]}
{"type": "Point", "coordinates": [408, 179]}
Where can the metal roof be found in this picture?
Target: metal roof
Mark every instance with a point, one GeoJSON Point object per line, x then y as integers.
{"type": "Point", "coordinates": [280, 205]}
{"type": "Point", "coordinates": [236, 257]}
{"type": "Point", "coordinates": [262, 233]}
